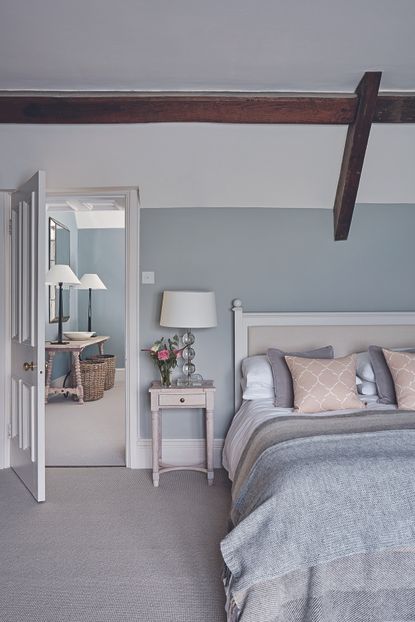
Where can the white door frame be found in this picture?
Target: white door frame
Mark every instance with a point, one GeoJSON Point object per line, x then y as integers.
{"type": "Point", "coordinates": [132, 271]}
{"type": "Point", "coordinates": [5, 330]}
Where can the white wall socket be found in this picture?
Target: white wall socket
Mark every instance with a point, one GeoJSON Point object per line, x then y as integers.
{"type": "Point", "coordinates": [147, 278]}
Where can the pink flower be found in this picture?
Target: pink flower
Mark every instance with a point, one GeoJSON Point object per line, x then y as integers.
{"type": "Point", "coordinates": [163, 355]}
{"type": "Point", "coordinates": [177, 353]}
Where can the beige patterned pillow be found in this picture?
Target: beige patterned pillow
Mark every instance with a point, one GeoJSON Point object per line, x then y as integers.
{"type": "Point", "coordinates": [402, 368]}
{"type": "Point", "coordinates": [324, 384]}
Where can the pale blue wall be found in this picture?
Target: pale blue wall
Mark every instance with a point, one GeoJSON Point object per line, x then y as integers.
{"type": "Point", "coordinates": [62, 361]}
{"type": "Point", "coordinates": [102, 252]}
{"type": "Point", "coordinates": [273, 259]}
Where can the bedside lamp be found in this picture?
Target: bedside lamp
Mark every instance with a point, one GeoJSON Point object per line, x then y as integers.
{"type": "Point", "coordinates": [91, 281]}
{"type": "Point", "coordinates": [188, 309]}
{"type": "Point", "coordinates": [61, 274]}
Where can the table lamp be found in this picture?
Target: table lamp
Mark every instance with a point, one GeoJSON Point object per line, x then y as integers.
{"type": "Point", "coordinates": [61, 274]}
{"type": "Point", "coordinates": [91, 281]}
{"type": "Point", "coordinates": [188, 309]}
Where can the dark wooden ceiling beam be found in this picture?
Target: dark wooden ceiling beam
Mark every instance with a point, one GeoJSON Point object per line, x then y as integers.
{"type": "Point", "coordinates": [394, 108]}
{"type": "Point", "coordinates": [301, 108]}
{"type": "Point", "coordinates": [354, 153]}
{"type": "Point", "coordinates": [306, 108]}
{"type": "Point", "coordinates": [298, 108]}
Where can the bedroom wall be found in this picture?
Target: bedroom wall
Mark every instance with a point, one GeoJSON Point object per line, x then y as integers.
{"type": "Point", "coordinates": [273, 260]}
{"type": "Point", "coordinates": [102, 252]}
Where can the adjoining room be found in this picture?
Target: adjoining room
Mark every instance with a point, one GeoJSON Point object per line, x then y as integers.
{"type": "Point", "coordinates": [87, 235]}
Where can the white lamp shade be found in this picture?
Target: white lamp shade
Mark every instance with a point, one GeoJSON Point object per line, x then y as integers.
{"type": "Point", "coordinates": [91, 281]}
{"type": "Point", "coordinates": [188, 310]}
{"type": "Point", "coordinates": [61, 273]}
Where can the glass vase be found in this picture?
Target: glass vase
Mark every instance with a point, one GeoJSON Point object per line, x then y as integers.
{"type": "Point", "coordinates": [165, 376]}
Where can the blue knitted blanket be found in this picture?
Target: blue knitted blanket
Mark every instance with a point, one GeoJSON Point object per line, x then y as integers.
{"type": "Point", "coordinates": [311, 492]}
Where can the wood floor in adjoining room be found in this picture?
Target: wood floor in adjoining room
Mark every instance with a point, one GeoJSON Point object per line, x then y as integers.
{"type": "Point", "coordinates": [109, 547]}
{"type": "Point", "coordinates": [89, 434]}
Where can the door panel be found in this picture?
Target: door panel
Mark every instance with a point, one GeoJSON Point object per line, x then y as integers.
{"type": "Point", "coordinates": [28, 250]}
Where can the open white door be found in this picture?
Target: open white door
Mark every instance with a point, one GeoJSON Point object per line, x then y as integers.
{"type": "Point", "coordinates": [28, 250]}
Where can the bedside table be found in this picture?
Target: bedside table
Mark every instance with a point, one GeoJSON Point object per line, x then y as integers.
{"type": "Point", "coordinates": [179, 398]}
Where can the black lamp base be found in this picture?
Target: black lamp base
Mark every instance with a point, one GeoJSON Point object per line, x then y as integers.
{"type": "Point", "coordinates": [90, 311]}
{"type": "Point", "coordinates": [60, 340]}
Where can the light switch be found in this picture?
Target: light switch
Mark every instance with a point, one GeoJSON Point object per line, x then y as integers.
{"type": "Point", "coordinates": [147, 278]}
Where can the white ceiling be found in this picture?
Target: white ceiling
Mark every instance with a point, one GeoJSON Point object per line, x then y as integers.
{"type": "Point", "coordinates": [85, 203]}
{"type": "Point", "coordinates": [205, 44]}
{"type": "Point", "coordinates": [90, 211]}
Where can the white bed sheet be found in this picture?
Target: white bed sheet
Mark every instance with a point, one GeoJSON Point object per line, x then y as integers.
{"type": "Point", "coordinates": [253, 413]}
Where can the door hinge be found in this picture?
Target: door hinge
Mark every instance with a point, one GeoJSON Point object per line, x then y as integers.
{"type": "Point", "coordinates": [10, 226]}
{"type": "Point", "coordinates": [9, 430]}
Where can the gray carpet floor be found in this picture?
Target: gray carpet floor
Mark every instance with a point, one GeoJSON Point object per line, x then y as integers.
{"type": "Point", "coordinates": [91, 434]}
{"type": "Point", "coordinates": [108, 547]}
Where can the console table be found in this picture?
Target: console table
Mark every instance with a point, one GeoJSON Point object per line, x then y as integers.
{"type": "Point", "coordinates": [75, 348]}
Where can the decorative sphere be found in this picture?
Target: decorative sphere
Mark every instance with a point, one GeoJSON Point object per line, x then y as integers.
{"type": "Point", "coordinates": [188, 354]}
{"type": "Point", "coordinates": [189, 368]}
{"type": "Point", "coordinates": [188, 339]}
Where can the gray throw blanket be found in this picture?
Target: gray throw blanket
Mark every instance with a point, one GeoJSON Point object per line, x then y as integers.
{"type": "Point", "coordinates": [324, 521]}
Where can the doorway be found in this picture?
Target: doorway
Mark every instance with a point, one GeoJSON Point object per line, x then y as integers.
{"type": "Point", "coordinates": [22, 420]}
{"type": "Point", "coordinates": [87, 233]}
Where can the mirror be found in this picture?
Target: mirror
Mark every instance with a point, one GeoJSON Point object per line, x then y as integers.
{"type": "Point", "coordinates": [59, 253]}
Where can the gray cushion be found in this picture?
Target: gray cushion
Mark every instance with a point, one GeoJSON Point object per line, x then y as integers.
{"type": "Point", "coordinates": [383, 377]}
{"type": "Point", "coordinates": [283, 384]}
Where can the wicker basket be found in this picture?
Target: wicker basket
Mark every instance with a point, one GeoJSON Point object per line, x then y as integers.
{"type": "Point", "coordinates": [109, 360]}
{"type": "Point", "coordinates": [93, 374]}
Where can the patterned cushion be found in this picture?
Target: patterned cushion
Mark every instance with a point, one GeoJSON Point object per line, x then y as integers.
{"type": "Point", "coordinates": [283, 384]}
{"type": "Point", "coordinates": [402, 368]}
{"type": "Point", "coordinates": [383, 376]}
{"type": "Point", "coordinates": [324, 384]}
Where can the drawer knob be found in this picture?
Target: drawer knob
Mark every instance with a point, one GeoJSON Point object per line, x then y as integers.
{"type": "Point", "coordinates": [182, 400]}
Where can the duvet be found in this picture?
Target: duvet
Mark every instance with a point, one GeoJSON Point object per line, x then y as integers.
{"type": "Point", "coordinates": [323, 521]}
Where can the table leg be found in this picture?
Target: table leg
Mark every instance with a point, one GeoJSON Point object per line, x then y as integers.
{"type": "Point", "coordinates": [160, 438]}
{"type": "Point", "coordinates": [155, 417]}
{"type": "Point", "coordinates": [209, 446]}
{"type": "Point", "coordinates": [101, 348]}
{"type": "Point", "coordinates": [51, 356]}
{"type": "Point", "coordinates": [77, 367]}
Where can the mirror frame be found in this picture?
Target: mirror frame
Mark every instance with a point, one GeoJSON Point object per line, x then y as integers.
{"type": "Point", "coordinates": [54, 289]}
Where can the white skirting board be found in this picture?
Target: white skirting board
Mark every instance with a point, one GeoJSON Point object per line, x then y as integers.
{"type": "Point", "coordinates": [179, 451]}
{"type": "Point", "coordinates": [120, 374]}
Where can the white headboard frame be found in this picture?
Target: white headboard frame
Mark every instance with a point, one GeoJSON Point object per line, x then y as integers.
{"type": "Point", "coordinates": [358, 329]}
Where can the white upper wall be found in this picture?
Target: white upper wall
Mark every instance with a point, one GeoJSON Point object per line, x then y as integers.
{"type": "Point", "coordinates": [205, 44]}
{"type": "Point", "coordinates": [201, 165]}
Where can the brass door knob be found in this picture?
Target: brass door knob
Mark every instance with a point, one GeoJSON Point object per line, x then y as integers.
{"type": "Point", "coordinates": [29, 366]}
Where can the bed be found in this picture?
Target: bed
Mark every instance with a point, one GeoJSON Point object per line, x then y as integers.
{"type": "Point", "coordinates": [322, 525]}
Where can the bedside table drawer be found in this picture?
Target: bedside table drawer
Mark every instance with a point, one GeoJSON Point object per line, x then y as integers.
{"type": "Point", "coordinates": [187, 399]}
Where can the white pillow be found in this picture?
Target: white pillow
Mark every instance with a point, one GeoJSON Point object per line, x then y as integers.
{"type": "Point", "coordinates": [367, 388]}
{"type": "Point", "coordinates": [364, 367]}
{"type": "Point", "coordinates": [256, 391]}
{"type": "Point", "coordinates": [257, 380]}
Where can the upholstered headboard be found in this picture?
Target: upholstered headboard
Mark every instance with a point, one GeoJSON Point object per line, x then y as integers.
{"type": "Point", "coordinates": [347, 332]}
